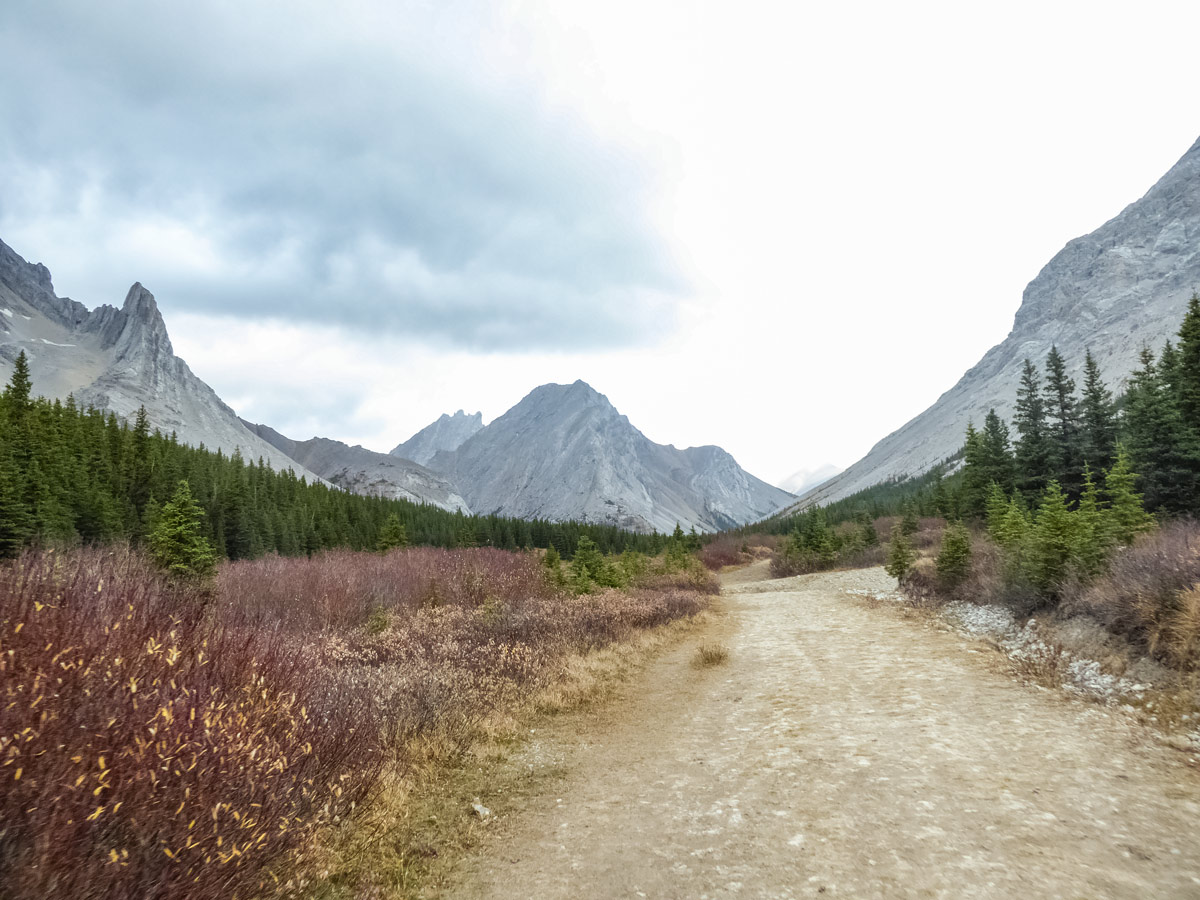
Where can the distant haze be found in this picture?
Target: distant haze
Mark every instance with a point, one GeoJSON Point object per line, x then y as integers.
{"type": "Point", "coordinates": [780, 228]}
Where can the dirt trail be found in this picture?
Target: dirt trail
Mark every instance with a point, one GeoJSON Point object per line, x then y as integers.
{"type": "Point", "coordinates": [846, 751]}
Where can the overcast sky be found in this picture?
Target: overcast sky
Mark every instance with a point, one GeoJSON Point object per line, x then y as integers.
{"type": "Point", "coordinates": [784, 228]}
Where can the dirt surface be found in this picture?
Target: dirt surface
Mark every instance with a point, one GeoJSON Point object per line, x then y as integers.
{"type": "Point", "coordinates": [843, 750]}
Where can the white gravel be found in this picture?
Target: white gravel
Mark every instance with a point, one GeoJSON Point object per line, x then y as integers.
{"type": "Point", "coordinates": [1027, 643]}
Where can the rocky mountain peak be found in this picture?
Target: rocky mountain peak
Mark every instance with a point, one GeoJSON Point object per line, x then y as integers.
{"type": "Point", "coordinates": [1112, 292]}
{"type": "Point", "coordinates": [446, 433]}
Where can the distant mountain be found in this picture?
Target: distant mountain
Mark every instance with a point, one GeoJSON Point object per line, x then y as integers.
{"type": "Point", "coordinates": [363, 471]}
{"type": "Point", "coordinates": [447, 433]}
{"type": "Point", "coordinates": [564, 452]}
{"type": "Point", "coordinates": [1114, 291]}
{"type": "Point", "coordinates": [806, 479]}
{"type": "Point", "coordinates": [115, 360]}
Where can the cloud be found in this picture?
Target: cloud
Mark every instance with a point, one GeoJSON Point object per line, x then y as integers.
{"type": "Point", "coordinates": [380, 167]}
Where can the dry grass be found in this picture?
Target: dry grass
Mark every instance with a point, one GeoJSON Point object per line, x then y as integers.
{"type": "Point", "coordinates": [424, 817]}
{"type": "Point", "coordinates": [1151, 595]}
{"type": "Point", "coordinates": [708, 655]}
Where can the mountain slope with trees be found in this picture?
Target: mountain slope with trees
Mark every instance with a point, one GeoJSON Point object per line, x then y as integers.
{"type": "Point", "coordinates": [1111, 293]}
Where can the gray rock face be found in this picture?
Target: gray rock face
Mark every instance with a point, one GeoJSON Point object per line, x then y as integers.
{"type": "Point", "coordinates": [564, 452]}
{"type": "Point", "coordinates": [1121, 288]}
{"type": "Point", "coordinates": [115, 360]}
{"type": "Point", "coordinates": [447, 433]}
{"type": "Point", "coordinates": [363, 471]}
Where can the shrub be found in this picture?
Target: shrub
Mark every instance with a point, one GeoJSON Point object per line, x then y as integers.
{"type": "Point", "coordinates": [148, 751]}
{"type": "Point", "coordinates": [1150, 593]}
{"type": "Point", "coordinates": [720, 552]}
{"type": "Point", "coordinates": [152, 746]}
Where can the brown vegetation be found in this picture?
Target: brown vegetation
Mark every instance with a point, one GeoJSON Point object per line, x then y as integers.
{"type": "Point", "coordinates": [160, 741]}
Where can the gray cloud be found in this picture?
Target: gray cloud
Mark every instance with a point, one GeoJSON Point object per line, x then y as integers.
{"type": "Point", "coordinates": [340, 177]}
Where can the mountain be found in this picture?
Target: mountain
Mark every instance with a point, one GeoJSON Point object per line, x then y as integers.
{"type": "Point", "coordinates": [564, 452]}
{"type": "Point", "coordinates": [447, 433]}
{"type": "Point", "coordinates": [115, 360]}
{"type": "Point", "coordinates": [807, 479]}
{"type": "Point", "coordinates": [1114, 291]}
{"type": "Point", "coordinates": [363, 471]}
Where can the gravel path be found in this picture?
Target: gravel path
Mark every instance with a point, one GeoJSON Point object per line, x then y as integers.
{"type": "Point", "coordinates": [845, 750]}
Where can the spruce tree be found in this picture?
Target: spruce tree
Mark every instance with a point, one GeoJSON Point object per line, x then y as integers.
{"type": "Point", "coordinates": [1126, 517]}
{"type": "Point", "coordinates": [900, 554]}
{"type": "Point", "coordinates": [1033, 451]}
{"type": "Point", "coordinates": [954, 559]}
{"type": "Point", "coordinates": [1189, 365]}
{"type": "Point", "coordinates": [392, 535]}
{"type": "Point", "coordinates": [1092, 532]}
{"type": "Point", "coordinates": [997, 451]}
{"type": "Point", "coordinates": [177, 543]}
{"type": "Point", "coordinates": [976, 476]}
{"type": "Point", "coordinates": [1160, 444]}
{"type": "Point", "coordinates": [1098, 418]}
{"type": "Point", "coordinates": [1053, 540]}
{"type": "Point", "coordinates": [1063, 425]}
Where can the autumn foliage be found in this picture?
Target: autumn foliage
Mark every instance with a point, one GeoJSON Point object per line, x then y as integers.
{"type": "Point", "coordinates": [158, 740]}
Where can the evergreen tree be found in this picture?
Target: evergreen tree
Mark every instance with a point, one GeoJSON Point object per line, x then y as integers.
{"type": "Point", "coordinates": [392, 535]}
{"type": "Point", "coordinates": [1033, 449]}
{"type": "Point", "coordinates": [909, 523]}
{"type": "Point", "coordinates": [1092, 532]}
{"type": "Point", "coordinates": [954, 559]}
{"type": "Point", "coordinates": [1189, 365]}
{"type": "Point", "coordinates": [997, 451]}
{"type": "Point", "coordinates": [1126, 517]}
{"type": "Point", "coordinates": [1063, 424]}
{"type": "Point", "coordinates": [177, 543]}
{"type": "Point", "coordinates": [1053, 540]}
{"type": "Point", "coordinates": [976, 477]}
{"type": "Point", "coordinates": [1098, 418]}
{"type": "Point", "coordinates": [901, 555]}
{"type": "Point", "coordinates": [17, 399]}
{"type": "Point", "coordinates": [1160, 445]}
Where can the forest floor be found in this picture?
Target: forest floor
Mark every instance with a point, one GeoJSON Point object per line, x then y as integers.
{"type": "Point", "coordinates": [846, 747]}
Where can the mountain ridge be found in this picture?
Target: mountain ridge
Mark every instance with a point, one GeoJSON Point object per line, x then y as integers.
{"type": "Point", "coordinates": [609, 472]}
{"type": "Point", "coordinates": [1112, 291]}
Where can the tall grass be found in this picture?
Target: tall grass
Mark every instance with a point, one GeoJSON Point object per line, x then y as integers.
{"type": "Point", "coordinates": [159, 741]}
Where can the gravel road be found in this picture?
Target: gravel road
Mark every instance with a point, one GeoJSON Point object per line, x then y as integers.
{"type": "Point", "coordinates": [844, 750]}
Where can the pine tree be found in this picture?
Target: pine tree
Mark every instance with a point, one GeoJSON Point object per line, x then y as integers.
{"type": "Point", "coordinates": [1160, 445]}
{"type": "Point", "coordinates": [1063, 424]}
{"type": "Point", "coordinates": [976, 476]}
{"type": "Point", "coordinates": [997, 451]}
{"type": "Point", "coordinates": [1098, 418]}
{"type": "Point", "coordinates": [16, 396]}
{"type": "Point", "coordinates": [177, 543]}
{"type": "Point", "coordinates": [392, 535]}
{"type": "Point", "coordinates": [1126, 517]}
{"type": "Point", "coordinates": [900, 555]}
{"type": "Point", "coordinates": [1092, 532]}
{"type": "Point", "coordinates": [954, 559]}
{"type": "Point", "coordinates": [1053, 540]}
{"type": "Point", "coordinates": [909, 523]}
{"type": "Point", "coordinates": [1189, 365]}
{"type": "Point", "coordinates": [997, 506]}
{"type": "Point", "coordinates": [1033, 450]}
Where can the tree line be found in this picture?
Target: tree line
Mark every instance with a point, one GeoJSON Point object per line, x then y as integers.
{"type": "Point", "coordinates": [70, 475]}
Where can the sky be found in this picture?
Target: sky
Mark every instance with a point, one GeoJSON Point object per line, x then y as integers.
{"type": "Point", "coordinates": [782, 228]}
